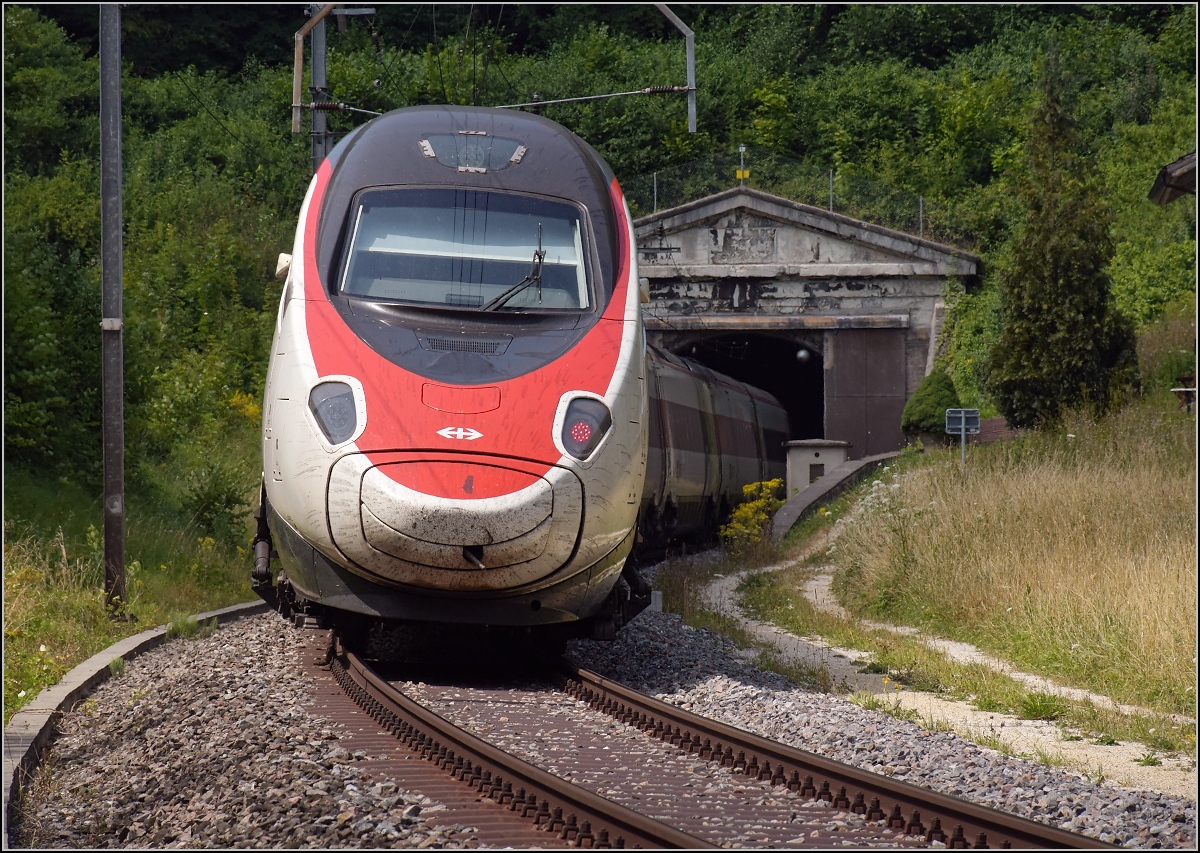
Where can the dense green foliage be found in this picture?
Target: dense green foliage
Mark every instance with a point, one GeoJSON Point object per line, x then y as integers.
{"type": "Point", "coordinates": [1167, 347]}
{"type": "Point", "coordinates": [925, 410]}
{"type": "Point", "coordinates": [930, 100]}
{"type": "Point", "coordinates": [203, 224]}
{"type": "Point", "coordinates": [1062, 342]}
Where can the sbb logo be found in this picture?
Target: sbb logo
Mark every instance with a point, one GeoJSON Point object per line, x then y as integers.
{"type": "Point", "coordinates": [460, 433]}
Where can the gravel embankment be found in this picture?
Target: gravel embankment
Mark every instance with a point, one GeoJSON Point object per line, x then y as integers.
{"type": "Point", "coordinates": [206, 743]}
{"type": "Point", "coordinates": [694, 669]}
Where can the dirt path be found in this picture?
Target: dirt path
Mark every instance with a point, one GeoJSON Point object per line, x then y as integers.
{"type": "Point", "coordinates": [1117, 764]}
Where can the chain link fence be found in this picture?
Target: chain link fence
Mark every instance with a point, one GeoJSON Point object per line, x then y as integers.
{"type": "Point", "coordinates": [840, 191]}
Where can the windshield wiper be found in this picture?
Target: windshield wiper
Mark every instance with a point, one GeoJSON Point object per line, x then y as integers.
{"type": "Point", "coordinates": [534, 277]}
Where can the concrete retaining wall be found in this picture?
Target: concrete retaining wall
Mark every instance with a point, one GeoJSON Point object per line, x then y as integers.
{"type": "Point", "coordinates": [824, 490]}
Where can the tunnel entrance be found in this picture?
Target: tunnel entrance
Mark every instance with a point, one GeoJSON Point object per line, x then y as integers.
{"type": "Point", "coordinates": [789, 368]}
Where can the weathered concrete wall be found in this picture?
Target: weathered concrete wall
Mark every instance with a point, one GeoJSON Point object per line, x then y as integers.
{"type": "Point", "coordinates": [747, 262]}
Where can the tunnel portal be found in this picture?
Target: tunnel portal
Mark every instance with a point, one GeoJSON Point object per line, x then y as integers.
{"type": "Point", "coordinates": [742, 281]}
{"type": "Point", "coordinates": [789, 370]}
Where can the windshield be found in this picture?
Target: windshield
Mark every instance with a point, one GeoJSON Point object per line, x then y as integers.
{"type": "Point", "coordinates": [466, 249]}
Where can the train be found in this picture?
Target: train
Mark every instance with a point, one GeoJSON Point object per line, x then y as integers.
{"type": "Point", "coordinates": [463, 424]}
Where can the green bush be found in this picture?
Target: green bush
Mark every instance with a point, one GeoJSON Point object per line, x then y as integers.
{"type": "Point", "coordinates": [925, 410]}
{"type": "Point", "coordinates": [214, 496]}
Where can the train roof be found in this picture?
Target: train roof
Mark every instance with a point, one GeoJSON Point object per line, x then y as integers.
{"type": "Point", "coordinates": [416, 146]}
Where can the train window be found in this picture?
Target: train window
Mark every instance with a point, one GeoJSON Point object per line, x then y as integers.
{"type": "Point", "coordinates": [467, 249]}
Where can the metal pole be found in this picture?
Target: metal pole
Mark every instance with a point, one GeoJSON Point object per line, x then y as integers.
{"type": "Point", "coordinates": [962, 440]}
{"type": "Point", "coordinates": [689, 39]}
{"type": "Point", "coordinates": [921, 216]}
{"type": "Point", "coordinates": [690, 42]}
{"type": "Point", "coordinates": [298, 67]}
{"type": "Point", "coordinates": [831, 190]}
{"type": "Point", "coordinates": [320, 121]}
{"type": "Point", "coordinates": [741, 165]}
{"type": "Point", "coordinates": [656, 192]}
{"type": "Point", "coordinates": [112, 312]}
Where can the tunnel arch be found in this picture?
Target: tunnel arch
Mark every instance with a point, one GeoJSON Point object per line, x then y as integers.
{"type": "Point", "coordinates": [767, 360]}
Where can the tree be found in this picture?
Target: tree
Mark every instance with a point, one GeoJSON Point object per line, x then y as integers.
{"type": "Point", "coordinates": [1063, 343]}
{"type": "Point", "coordinates": [925, 410]}
{"type": "Point", "coordinates": [51, 95]}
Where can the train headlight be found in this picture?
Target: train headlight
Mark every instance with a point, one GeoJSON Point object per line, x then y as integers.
{"type": "Point", "coordinates": [333, 405]}
{"type": "Point", "coordinates": [584, 426]}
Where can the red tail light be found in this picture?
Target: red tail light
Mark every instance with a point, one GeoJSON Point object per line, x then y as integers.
{"type": "Point", "coordinates": [584, 427]}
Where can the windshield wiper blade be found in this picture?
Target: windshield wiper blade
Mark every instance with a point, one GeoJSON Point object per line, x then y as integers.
{"type": "Point", "coordinates": [534, 277]}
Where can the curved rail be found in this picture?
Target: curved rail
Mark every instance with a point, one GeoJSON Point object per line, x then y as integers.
{"type": "Point", "coordinates": [871, 795]}
{"type": "Point", "coordinates": [590, 820]}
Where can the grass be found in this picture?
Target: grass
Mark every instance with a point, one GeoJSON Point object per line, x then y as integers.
{"type": "Point", "coordinates": [1040, 706]}
{"type": "Point", "coordinates": [815, 677]}
{"type": "Point", "coordinates": [992, 741]}
{"type": "Point", "coordinates": [1051, 758]}
{"type": "Point", "coordinates": [186, 626]}
{"type": "Point", "coordinates": [1064, 552]}
{"type": "Point", "coordinates": [1149, 759]}
{"type": "Point", "coordinates": [777, 597]}
{"type": "Point", "coordinates": [54, 613]}
{"type": "Point", "coordinates": [1071, 568]}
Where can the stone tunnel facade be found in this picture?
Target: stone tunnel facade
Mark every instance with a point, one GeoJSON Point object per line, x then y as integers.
{"type": "Point", "coordinates": [837, 318]}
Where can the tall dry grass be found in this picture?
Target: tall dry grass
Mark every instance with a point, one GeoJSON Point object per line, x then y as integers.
{"type": "Point", "coordinates": [1071, 552]}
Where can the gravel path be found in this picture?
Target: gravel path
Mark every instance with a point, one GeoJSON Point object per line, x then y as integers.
{"type": "Point", "coordinates": [1174, 775]}
{"type": "Point", "coordinates": [206, 743]}
{"type": "Point", "coordinates": [697, 670]}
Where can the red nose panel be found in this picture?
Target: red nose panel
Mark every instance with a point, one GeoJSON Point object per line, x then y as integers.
{"type": "Point", "coordinates": [460, 480]}
{"type": "Point", "coordinates": [521, 425]}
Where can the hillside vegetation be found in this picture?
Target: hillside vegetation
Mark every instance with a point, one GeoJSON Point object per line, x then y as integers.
{"type": "Point", "coordinates": [1069, 552]}
{"type": "Point", "coordinates": [933, 100]}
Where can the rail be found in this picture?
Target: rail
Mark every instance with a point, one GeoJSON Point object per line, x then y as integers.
{"type": "Point", "coordinates": [871, 795]}
{"type": "Point", "coordinates": [579, 817]}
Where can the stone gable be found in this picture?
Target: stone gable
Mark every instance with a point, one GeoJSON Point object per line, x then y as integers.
{"type": "Point", "coordinates": [866, 300]}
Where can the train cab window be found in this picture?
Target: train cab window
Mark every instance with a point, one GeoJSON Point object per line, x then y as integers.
{"type": "Point", "coordinates": [469, 249]}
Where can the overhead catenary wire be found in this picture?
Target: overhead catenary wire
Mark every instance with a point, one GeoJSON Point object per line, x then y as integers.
{"type": "Point", "coordinates": [396, 51]}
{"type": "Point", "coordinates": [504, 77]}
{"type": "Point", "coordinates": [649, 90]}
{"type": "Point", "coordinates": [487, 53]}
{"type": "Point", "coordinates": [469, 37]}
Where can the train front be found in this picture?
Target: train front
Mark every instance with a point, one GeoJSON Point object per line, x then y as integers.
{"type": "Point", "coordinates": [454, 421]}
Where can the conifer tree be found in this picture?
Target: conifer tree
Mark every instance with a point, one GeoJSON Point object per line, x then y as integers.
{"type": "Point", "coordinates": [1063, 344]}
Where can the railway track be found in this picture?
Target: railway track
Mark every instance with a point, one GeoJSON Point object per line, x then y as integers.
{"type": "Point", "coordinates": [631, 771]}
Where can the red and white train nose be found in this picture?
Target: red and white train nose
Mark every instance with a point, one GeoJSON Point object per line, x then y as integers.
{"type": "Point", "coordinates": [456, 522]}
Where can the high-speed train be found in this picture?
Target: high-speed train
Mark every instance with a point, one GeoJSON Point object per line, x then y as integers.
{"type": "Point", "coordinates": [460, 407]}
